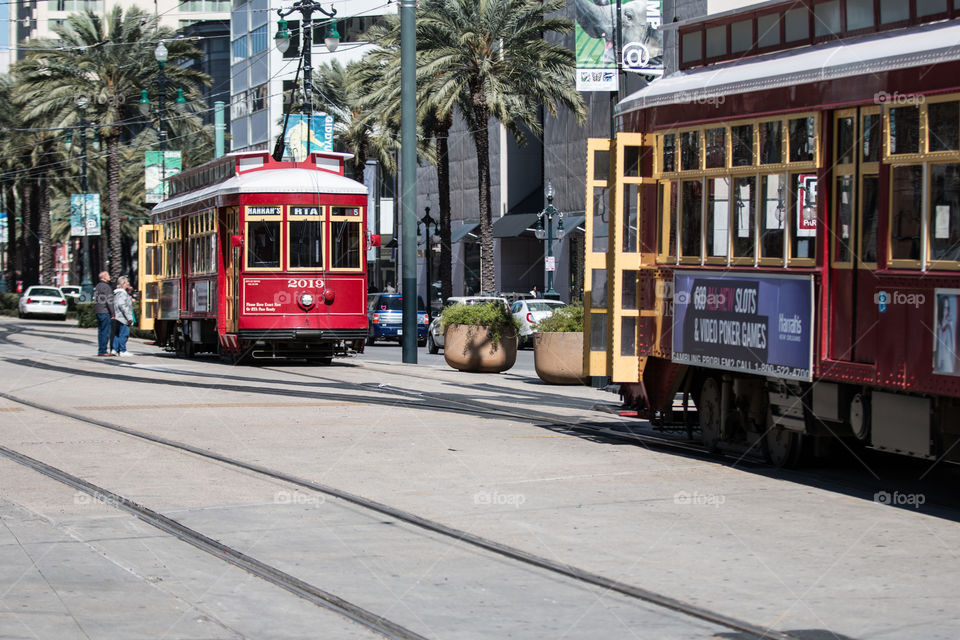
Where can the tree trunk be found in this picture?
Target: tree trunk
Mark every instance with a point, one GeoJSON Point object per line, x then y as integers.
{"type": "Point", "coordinates": [43, 227]}
{"type": "Point", "coordinates": [481, 137]}
{"type": "Point", "coordinates": [12, 244]}
{"type": "Point", "coordinates": [443, 187]}
{"type": "Point", "coordinates": [113, 204]}
{"type": "Point", "coordinates": [28, 238]}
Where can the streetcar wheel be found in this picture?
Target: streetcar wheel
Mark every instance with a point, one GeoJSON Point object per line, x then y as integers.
{"type": "Point", "coordinates": [782, 447]}
{"type": "Point", "coordinates": [708, 407]}
{"type": "Point", "coordinates": [431, 345]}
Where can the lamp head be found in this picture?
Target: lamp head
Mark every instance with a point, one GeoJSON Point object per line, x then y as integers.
{"type": "Point", "coordinates": [144, 104]}
{"type": "Point", "coordinates": [548, 191]}
{"type": "Point", "coordinates": [332, 39]}
{"type": "Point", "coordinates": [282, 39]}
{"type": "Point", "coordinates": [180, 104]}
{"type": "Point", "coordinates": [160, 53]}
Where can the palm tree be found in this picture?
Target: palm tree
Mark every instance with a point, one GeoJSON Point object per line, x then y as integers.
{"type": "Point", "coordinates": [107, 60]}
{"type": "Point", "coordinates": [489, 59]}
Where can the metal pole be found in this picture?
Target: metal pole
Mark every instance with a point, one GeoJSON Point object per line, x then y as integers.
{"type": "Point", "coordinates": [86, 286]}
{"type": "Point", "coordinates": [426, 230]}
{"type": "Point", "coordinates": [550, 211]}
{"type": "Point", "coordinates": [408, 173]}
{"type": "Point", "coordinates": [3, 249]}
{"type": "Point", "coordinates": [219, 128]}
{"type": "Point", "coordinates": [163, 134]}
{"type": "Point", "coordinates": [306, 32]}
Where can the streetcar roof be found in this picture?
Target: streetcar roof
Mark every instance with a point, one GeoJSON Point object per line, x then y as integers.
{"type": "Point", "coordinates": [878, 53]}
{"type": "Point", "coordinates": [269, 181]}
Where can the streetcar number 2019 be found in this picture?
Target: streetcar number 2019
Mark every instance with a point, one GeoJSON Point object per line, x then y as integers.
{"type": "Point", "coordinates": [305, 283]}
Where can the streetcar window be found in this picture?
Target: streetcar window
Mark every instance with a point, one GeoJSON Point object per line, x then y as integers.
{"type": "Point", "coordinates": [894, 11]}
{"type": "Point", "coordinates": [716, 41]}
{"type": "Point", "coordinates": [263, 244]}
{"type": "Point", "coordinates": [598, 332]}
{"type": "Point", "coordinates": [905, 209]}
{"type": "Point", "coordinates": [691, 218]}
{"type": "Point", "coordinates": [797, 24]}
{"type": "Point", "coordinates": [859, 14]}
{"type": "Point", "coordinates": [826, 18]}
{"type": "Point", "coordinates": [845, 127]}
{"type": "Point", "coordinates": [741, 36]}
{"type": "Point", "coordinates": [802, 214]}
{"type": "Point", "coordinates": [631, 198]}
{"type": "Point", "coordinates": [844, 218]}
{"type": "Point", "coordinates": [773, 214]}
{"type": "Point", "coordinates": [667, 218]}
{"type": "Point", "coordinates": [715, 141]}
{"type": "Point", "coordinates": [930, 7]}
{"type": "Point", "coordinates": [742, 145]}
{"type": "Point", "coordinates": [744, 211]}
{"type": "Point", "coordinates": [872, 136]}
{"type": "Point", "coordinates": [771, 142]}
{"type": "Point", "coordinates": [306, 244]}
{"type": "Point", "coordinates": [601, 165]}
{"type": "Point", "coordinates": [944, 126]}
{"type": "Point", "coordinates": [945, 205]}
{"type": "Point", "coordinates": [768, 30]}
{"type": "Point", "coordinates": [868, 222]}
{"type": "Point", "coordinates": [669, 153]}
{"type": "Point", "coordinates": [802, 139]}
{"type": "Point", "coordinates": [631, 161]}
{"type": "Point", "coordinates": [345, 245]}
{"type": "Point", "coordinates": [690, 151]}
{"type": "Point", "coordinates": [718, 217]}
{"type": "Point", "coordinates": [598, 288]}
{"type": "Point", "coordinates": [628, 291]}
{"type": "Point", "coordinates": [601, 196]}
{"type": "Point", "coordinates": [905, 130]}
{"type": "Point", "coordinates": [628, 336]}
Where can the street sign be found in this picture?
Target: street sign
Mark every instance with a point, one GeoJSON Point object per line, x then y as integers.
{"type": "Point", "coordinates": [551, 263]}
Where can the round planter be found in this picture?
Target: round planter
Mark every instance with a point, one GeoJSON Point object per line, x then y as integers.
{"type": "Point", "coordinates": [469, 348]}
{"type": "Point", "coordinates": [558, 357]}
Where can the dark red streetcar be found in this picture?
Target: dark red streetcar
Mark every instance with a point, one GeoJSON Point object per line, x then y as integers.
{"type": "Point", "coordinates": [259, 258]}
{"type": "Point", "coordinates": [777, 241]}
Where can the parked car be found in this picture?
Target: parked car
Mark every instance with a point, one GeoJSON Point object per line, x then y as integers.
{"type": "Point", "coordinates": [43, 301]}
{"type": "Point", "coordinates": [435, 332]}
{"type": "Point", "coordinates": [385, 318]}
{"type": "Point", "coordinates": [72, 293]}
{"type": "Point", "coordinates": [530, 312]}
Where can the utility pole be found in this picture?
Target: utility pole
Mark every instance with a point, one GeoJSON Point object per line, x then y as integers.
{"type": "Point", "coordinates": [408, 174]}
{"type": "Point", "coordinates": [86, 285]}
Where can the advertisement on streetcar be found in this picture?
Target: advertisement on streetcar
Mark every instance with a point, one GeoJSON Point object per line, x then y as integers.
{"type": "Point", "coordinates": [743, 322]}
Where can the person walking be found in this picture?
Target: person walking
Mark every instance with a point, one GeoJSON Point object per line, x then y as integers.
{"type": "Point", "coordinates": [123, 307]}
{"type": "Point", "coordinates": [103, 307]}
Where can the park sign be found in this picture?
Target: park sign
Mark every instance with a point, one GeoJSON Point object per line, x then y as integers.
{"type": "Point", "coordinates": [85, 208]}
{"type": "Point", "coordinates": [734, 321]}
{"type": "Point", "coordinates": [158, 167]}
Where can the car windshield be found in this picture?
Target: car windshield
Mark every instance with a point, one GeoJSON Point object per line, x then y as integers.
{"type": "Point", "coordinates": [543, 305]}
{"type": "Point", "coordinates": [70, 289]}
{"type": "Point", "coordinates": [43, 291]}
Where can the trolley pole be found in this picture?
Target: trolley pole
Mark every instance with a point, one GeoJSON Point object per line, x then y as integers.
{"type": "Point", "coordinates": [408, 174]}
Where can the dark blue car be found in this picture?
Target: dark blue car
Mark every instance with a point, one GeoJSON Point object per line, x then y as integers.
{"type": "Point", "coordinates": [385, 318]}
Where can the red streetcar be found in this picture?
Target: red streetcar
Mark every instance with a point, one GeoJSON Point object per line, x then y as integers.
{"type": "Point", "coordinates": [254, 257]}
{"type": "Point", "coordinates": [776, 242]}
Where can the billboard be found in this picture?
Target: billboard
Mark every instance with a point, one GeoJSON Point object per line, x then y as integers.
{"type": "Point", "coordinates": [641, 41]}
{"type": "Point", "coordinates": [743, 322]}
{"type": "Point", "coordinates": [158, 166]}
{"type": "Point", "coordinates": [299, 144]}
{"type": "Point", "coordinates": [85, 206]}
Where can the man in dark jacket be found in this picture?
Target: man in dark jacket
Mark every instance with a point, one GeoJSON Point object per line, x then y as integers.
{"type": "Point", "coordinates": [103, 307]}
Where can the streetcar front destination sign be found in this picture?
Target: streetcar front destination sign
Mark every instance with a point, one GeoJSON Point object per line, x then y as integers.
{"type": "Point", "coordinates": [744, 322]}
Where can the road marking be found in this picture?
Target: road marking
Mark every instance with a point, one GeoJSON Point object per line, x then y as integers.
{"type": "Point", "coordinates": [223, 405]}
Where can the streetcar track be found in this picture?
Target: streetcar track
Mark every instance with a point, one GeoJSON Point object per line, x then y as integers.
{"type": "Point", "coordinates": [459, 535]}
{"type": "Point", "coordinates": [269, 573]}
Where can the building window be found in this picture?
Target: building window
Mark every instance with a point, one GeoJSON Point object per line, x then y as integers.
{"type": "Point", "coordinates": [240, 48]}
{"type": "Point", "coordinates": [258, 40]}
{"type": "Point", "coordinates": [77, 6]}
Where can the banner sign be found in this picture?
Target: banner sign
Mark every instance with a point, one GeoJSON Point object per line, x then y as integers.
{"type": "Point", "coordinates": [945, 359]}
{"type": "Point", "coordinates": [3, 227]}
{"type": "Point", "coordinates": [85, 206]}
{"type": "Point", "coordinates": [641, 42]}
{"type": "Point", "coordinates": [299, 144]}
{"type": "Point", "coordinates": [744, 322]}
{"type": "Point", "coordinates": [159, 166]}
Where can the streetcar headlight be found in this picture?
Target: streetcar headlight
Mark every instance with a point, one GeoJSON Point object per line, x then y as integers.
{"type": "Point", "coordinates": [306, 300]}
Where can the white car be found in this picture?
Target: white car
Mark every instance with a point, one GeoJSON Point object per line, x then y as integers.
{"type": "Point", "coordinates": [435, 330]}
{"type": "Point", "coordinates": [43, 301]}
{"type": "Point", "coordinates": [530, 312]}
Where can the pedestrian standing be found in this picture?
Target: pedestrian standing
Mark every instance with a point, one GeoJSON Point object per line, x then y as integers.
{"type": "Point", "coordinates": [535, 292]}
{"type": "Point", "coordinates": [103, 307]}
{"type": "Point", "coordinates": [123, 307]}
{"type": "Point", "coordinates": [389, 288]}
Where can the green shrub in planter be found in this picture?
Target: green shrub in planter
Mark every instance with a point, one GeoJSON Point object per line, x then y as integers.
{"type": "Point", "coordinates": [563, 319]}
{"type": "Point", "coordinates": [85, 315]}
{"type": "Point", "coordinates": [9, 301]}
{"type": "Point", "coordinates": [495, 317]}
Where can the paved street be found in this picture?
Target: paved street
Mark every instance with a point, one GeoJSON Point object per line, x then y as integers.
{"type": "Point", "coordinates": [811, 553]}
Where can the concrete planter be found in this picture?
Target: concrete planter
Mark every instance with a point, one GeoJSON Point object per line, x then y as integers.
{"type": "Point", "coordinates": [469, 348]}
{"type": "Point", "coordinates": [558, 357]}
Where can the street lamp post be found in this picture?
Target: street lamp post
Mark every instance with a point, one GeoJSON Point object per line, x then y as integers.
{"type": "Point", "coordinates": [331, 40]}
{"type": "Point", "coordinates": [86, 285]}
{"type": "Point", "coordinates": [180, 104]}
{"type": "Point", "coordinates": [547, 234]}
{"type": "Point", "coordinates": [427, 222]}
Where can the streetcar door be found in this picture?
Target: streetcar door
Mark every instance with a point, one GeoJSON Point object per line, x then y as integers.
{"type": "Point", "coordinates": [150, 258]}
{"type": "Point", "coordinates": [853, 233]}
